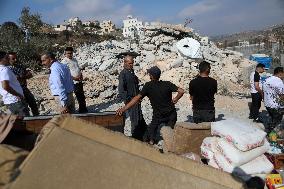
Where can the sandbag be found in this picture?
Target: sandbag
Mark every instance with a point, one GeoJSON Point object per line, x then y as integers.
{"type": "Point", "coordinates": [236, 157]}
{"type": "Point", "coordinates": [240, 133]}
{"type": "Point", "coordinates": [208, 147]}
{"type": "Point", "coordinates": [259, 165]}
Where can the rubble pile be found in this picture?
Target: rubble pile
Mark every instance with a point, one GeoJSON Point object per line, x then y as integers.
{"type": "Point", "coordinates": [156, 47]}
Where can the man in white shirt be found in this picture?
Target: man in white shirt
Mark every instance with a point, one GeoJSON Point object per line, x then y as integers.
{"type": "Point", "coordinates": [256, 92]}
{"type": "Point", "coordinates": [60, 83]}
{"type": "Point", "coordinates": [273, 89]}
{"type": "Point", "coordinates": [10, 88]}
{"type": "Point", "coordinates": [77, 76]}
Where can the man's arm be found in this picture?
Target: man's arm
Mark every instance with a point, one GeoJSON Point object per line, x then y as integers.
{"type": "Point", "coordinates": [134, 101]}
{"type": "Point", "coordinates": [257, 87]}
{"type": "Point", "coordinates": [6, 86]}
{"type": "Point", "coordinates": [180, 93]}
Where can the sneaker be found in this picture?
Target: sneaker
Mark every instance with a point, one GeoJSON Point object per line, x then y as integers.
{"type": "Point", "coordinates": [250, 117]}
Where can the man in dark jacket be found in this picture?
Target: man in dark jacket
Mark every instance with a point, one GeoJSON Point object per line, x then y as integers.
{"type": "Point", "coordinates": [128, 88]}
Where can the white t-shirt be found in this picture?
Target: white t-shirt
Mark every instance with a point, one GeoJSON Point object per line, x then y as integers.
{"type": "Point", "coordinates": [254, 77]}
{"type": "Point", "coordinates": [7, 75]}
{"type": "Point", "coordinates": [73, 66]}
{"type": "Point", "coordinates": [273, 88]}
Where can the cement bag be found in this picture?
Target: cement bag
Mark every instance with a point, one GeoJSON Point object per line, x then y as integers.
{"type": "Point", "coordinates": [189, 47]}
{"type": "Point", "coordinates": [236, 157]}
{"type": "Point", "coordinates": [260, 165]}
{"type": "Point", "coordinates": [208, 147]}
{"type": "Point", "coordinates": [240, 133]}
{"type": "Point", "coordinates": [213, 163]}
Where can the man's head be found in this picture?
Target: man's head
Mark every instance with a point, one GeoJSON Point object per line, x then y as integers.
{"type": "Point", "coordinates": [69, 52]}
{"type": "Point", "coordinates": [47, 59]}
{"type": "Point", "coordinates": [279, 72]}
{"type": "Point", "coordinates": [204, 67]}
{"type": "Point", "coordinates": [128, 62]}
{"type": "Point", "coordinates": [12, 58]}
{"type": "Point", "coordinates": [4, 59]}
{"type": "Point", "coordinates": [260, 68]}
{"type": "Point", "coordinates": [154, 73]}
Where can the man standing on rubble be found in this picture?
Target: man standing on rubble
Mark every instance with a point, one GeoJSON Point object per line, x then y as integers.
{"type": "Point", "coordinates": [256, 92]}
{"type": "Point", "coordinates": [160, 95]}
{"type": "Point", "coordinates": [10, 88]}
{"type": "Point", "coordinates": [273, 90]}
{"type": "Point", "coordinates": [60, 83]}
{"type": "Point", "coordinates": [22, 75]}
{"type": "Point", "coordinates": [202, 90]}
{"type": "Point", "coordinates": [77, 76]}
{"type": "Point", "coordinates": [128, 88]}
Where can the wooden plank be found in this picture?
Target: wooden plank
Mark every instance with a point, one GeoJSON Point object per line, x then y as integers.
{"type": "Point", "coordinates": [105, 119]}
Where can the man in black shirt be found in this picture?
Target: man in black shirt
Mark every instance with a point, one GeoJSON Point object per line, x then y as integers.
{"type": "Point", "coordinates": [128, 88]}
{"type": "Point", "coordinates": [256, 92]}
{"type": "Point", "coordinates": [202, 90]}
{"type": "Point", "coordinates": [160, 95]}
{"type": "Point", "coordinates": [22, 75]}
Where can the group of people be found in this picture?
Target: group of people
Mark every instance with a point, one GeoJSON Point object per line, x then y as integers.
{"type": "Point", "coordinates": [201, 89]}
{"type": "Point", "coordinates": [271, 92]}
{"type": "Point", "coordinates": [64, 79]}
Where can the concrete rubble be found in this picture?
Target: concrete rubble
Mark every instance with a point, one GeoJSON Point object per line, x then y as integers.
{"type": "Point", "coordinates": [157, 47]}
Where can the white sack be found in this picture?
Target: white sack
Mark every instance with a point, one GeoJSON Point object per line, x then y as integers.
{"type": "Point", "coordinates": [236, 157]}
{"type": "Point", "coordinates": [208, 147]}
{"type": "Point", "coordinates": [260, 165]}
{"type": "Point", "coordinates": [189, 47]}
{"type": "Point", "coordinates": [238, 132]}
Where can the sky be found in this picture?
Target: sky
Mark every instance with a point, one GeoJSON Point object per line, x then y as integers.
{"type": "Point", "coordinates": [209, 17]}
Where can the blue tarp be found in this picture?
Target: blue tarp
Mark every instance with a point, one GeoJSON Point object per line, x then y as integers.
{"type": "Point", "coordinates": [264, 60]}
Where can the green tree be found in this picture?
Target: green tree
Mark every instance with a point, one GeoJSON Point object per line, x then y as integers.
{"type": "Point", "coordinates": [30, 21]}
{"type": "Point", "coordinates": [11, 37]}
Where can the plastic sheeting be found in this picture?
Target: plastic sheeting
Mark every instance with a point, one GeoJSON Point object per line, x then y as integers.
{"type": "Point", "coordinates": [189, 47]}
{"type": "Point", "coordinates": [263, 59]}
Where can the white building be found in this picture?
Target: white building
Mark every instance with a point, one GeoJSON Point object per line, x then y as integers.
{"type": "Point", "coordinates": [61, 27]}
{"type": "Point", "coordinates": [74, 21]}
{"type": "Point", "coordinates": [131, 27]}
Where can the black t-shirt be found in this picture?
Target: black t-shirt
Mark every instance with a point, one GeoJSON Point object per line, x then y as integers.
{"type": "Point", "coordinates": [160, 95]}
{"type": "Point", "coordinates": [256, 77]}
{"type": "Point", "coordinates": [203, 89]}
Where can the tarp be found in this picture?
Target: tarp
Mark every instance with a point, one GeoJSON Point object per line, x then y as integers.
{"type": "Point", "coordinates": [263, 59]}
{"type": "Point", "coordinates": [78, 154]}
{"type": "Point", "coordinates": [189, 47]}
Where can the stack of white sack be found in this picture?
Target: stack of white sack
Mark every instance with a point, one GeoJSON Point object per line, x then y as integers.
{"type": "Point", "coordinates": [237, 146]}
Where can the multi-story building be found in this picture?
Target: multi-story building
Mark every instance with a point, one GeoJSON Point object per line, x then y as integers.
{"type": "Point", "coordinates": [132, 27]}
{"type": "Point", "coordinates": [107, 27]}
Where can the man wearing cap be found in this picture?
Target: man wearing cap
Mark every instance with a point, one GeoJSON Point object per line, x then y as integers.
{"type": "Point", "coordinates": [60, 83]}
{"type": "Point", "coordinates": [202, 90]}
{"type": "Point", "coordinates": [160, 95]}
{"type": "Point", "coordinates": [10, 88]}
{"type": "Point", "coordinates": [256, 92]}
{"type": "Point", "coordinates": [128, 88]}
{"type": "Point", "coordinates": [23, 74]}
{"type": "Point", "coordinates": [77, 76]}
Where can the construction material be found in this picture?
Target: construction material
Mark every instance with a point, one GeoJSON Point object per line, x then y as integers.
{"type": "Point", "coordinates": [90, 156]}
{"type": "Point", "coordinates": [240, 133]}
{"type": "Point", "coordinates": [236, 157]}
